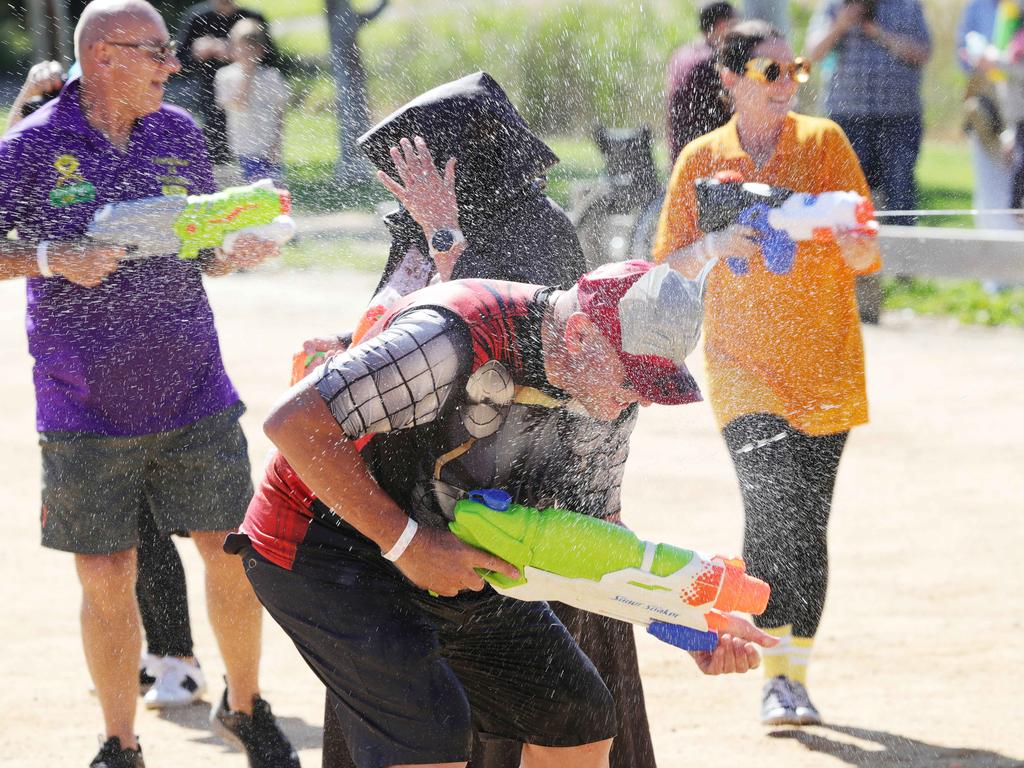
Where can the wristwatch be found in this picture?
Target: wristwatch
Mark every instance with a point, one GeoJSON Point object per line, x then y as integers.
{"type": "Point", "coordinates": [443, 240]}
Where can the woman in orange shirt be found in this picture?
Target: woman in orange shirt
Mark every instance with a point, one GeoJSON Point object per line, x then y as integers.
{"type": "Point", "coordinates": [784, 355]}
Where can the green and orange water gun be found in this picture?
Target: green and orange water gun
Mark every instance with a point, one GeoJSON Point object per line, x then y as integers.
{"type": "Point", "coordinates": [680, 595]}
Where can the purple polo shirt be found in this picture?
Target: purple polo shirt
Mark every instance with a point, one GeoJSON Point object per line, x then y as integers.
{"type": "Point", "coordinates": [139, 353]}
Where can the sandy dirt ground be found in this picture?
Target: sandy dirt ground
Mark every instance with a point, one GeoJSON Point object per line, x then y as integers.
{"type": "Point", "coordinates": [919, 658]}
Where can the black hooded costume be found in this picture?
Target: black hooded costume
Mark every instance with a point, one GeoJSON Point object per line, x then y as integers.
{"type": "Point", "coordinates": [513, 232]}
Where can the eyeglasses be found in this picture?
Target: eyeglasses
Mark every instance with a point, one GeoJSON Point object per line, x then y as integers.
{"type": "Point", "coordinates": [159, 52]}
{"type": "Point", "coordinates": [769, 70]}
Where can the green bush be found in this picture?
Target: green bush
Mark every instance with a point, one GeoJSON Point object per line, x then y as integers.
{"type": "Point", "coordinates": [572, 63]}
{"type": "Point", "coordinates": [17, 48]}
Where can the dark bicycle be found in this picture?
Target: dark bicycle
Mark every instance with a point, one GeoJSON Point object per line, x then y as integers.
{"type": "Point", "coordinates": [616, 217]}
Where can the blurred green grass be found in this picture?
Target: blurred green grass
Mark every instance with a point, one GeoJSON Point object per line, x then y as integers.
{"type": "Point", "coordinates": [966, 300]}
{"type": "Point", "coordinates": [944, 173]}
{"type": "Point", "coordinates": [945, 179]}
{"type": "Point", "coordinates": [286, 9]}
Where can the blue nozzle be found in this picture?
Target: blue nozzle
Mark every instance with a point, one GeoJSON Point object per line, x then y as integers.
{"type": "Point", "coordinates": [687, 638]}
{"type": "Point", "coordinates": [492, 498]}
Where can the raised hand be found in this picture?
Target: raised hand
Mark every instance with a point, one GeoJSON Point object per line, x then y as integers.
{"type": "Point", "coordinates": [44, 77]}
{"type": "Point", "coordinates": [426, 194]}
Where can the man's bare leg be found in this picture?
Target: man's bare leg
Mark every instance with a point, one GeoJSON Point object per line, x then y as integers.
{"type": "Point", "coordinates": [111, 637]}
{"type": "Point", "coordinates": [593, 755]}
{"type": "Point", "coordinates": [236, 616]}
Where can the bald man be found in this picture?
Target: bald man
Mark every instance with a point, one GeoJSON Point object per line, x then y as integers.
{"type": "Point", "coordinates": [134, 407]}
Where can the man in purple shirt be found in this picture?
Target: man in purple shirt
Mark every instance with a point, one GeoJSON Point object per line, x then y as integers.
{"type": "Point", "coordinates": [133, 404]}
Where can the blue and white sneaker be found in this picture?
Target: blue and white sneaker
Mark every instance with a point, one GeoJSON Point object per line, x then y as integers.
{"type": "Point", "coordinates": [777, 704]}
{"type": "Point", "coordinates": [806, 712]}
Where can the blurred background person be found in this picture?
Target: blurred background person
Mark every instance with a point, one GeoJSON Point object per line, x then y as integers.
{"type": "Point", "coordinates": [694, 97]}
{"type": "Point", "coordinates": [984, 119]}
{"type": "Point", "coordinates": [203, 48]}
{"type": "Point", "coordinates": [874, 94]}
{"type": "Point", "coordinates": [785, 361]}
{"type": "Point", "coordinates": [253, 95]}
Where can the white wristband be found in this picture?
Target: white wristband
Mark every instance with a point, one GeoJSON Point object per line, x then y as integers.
{"type": "Point", "coordinates": [403, 542]}
{"type": "Point", "coordinates": [42, 260]}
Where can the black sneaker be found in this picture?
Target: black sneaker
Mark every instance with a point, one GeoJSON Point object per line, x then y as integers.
{"type": "Point", "coordinates": [258, 735]}
{"type": "Point", "coordinates": [112, 756]}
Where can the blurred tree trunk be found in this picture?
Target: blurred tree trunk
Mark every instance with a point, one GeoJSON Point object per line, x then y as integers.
{"type": "Point", "coordinates": [343, 24]}
{"type": "Point", "coordinates": [775, 11]}
{"type": "Point", "coordinates": [49, 25]}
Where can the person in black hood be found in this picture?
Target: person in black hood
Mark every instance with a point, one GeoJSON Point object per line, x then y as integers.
{"type": "Point", "coordinates": [484, 214]}
{"type": "Point", "coordinates": [513, 230]}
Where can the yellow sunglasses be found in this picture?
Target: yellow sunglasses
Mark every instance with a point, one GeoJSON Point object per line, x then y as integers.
{"type": "Point", "coordinates": [769, 70]}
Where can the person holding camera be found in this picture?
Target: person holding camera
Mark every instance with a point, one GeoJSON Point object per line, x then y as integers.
{"type": "Point", "coordinates": [876, 42]}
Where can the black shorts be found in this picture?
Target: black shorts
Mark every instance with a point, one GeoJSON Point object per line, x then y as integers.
{"type": "Point", "coordinates": [412, 675]}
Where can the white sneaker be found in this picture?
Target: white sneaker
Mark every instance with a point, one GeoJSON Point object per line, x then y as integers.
{"type": "Point", "coordinates": [146, 678]}
{"type": "Point", "coordinates": [777, 705]}
{"type": "Point", "coordinates": [806, 712]}
{"type": "Point", "coordinates": [178, 683]}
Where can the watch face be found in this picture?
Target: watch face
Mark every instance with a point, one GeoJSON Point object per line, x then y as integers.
{"type": "Point", "coordinates": [443, 240]}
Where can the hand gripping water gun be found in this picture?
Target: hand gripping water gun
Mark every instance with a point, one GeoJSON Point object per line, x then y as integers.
{"type": "Point", "coordinates": [781, 217]}
{"type": "Point", "coordinates": [187, 224]}
{"type": "Point", "coordinates": [678, 594]}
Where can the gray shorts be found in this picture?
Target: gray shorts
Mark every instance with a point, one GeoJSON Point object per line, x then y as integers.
{"type": "Point", "coordinates": [195, 478]}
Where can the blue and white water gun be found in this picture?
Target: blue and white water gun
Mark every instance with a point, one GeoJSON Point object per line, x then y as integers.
{"type": "Point", "coordinates": [781, 217]}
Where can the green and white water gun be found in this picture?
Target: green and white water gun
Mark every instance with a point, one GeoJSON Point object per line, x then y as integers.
{"type": "Point", "coordinates": [680, 595]}
{"type": "Point", "coordinates": [187, 224]}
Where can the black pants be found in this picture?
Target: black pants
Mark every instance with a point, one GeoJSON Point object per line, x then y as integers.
{"type": "Point", "coordinates": [786, 478]}
{"type": "Point", "coordinates": [160, 589]}
{"type": "Point", "coordinates": [887, 148]}
{"type": "Point", "coordinates": [610, 645]}
{"type": "Point", "coordinates": [411, 676]}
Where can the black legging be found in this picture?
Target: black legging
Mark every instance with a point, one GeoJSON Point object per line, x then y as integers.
{"type": "Point", "coordinates": [160, 589]}
{"type": "Point", "coordinates": [786, 478]}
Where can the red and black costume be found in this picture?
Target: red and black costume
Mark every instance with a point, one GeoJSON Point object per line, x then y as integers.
{"type": "Point", "coordinates": [447, 393]}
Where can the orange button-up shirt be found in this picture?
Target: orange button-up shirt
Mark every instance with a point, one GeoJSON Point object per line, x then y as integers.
{"type": "Point", "coordinates": [790, 344]}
